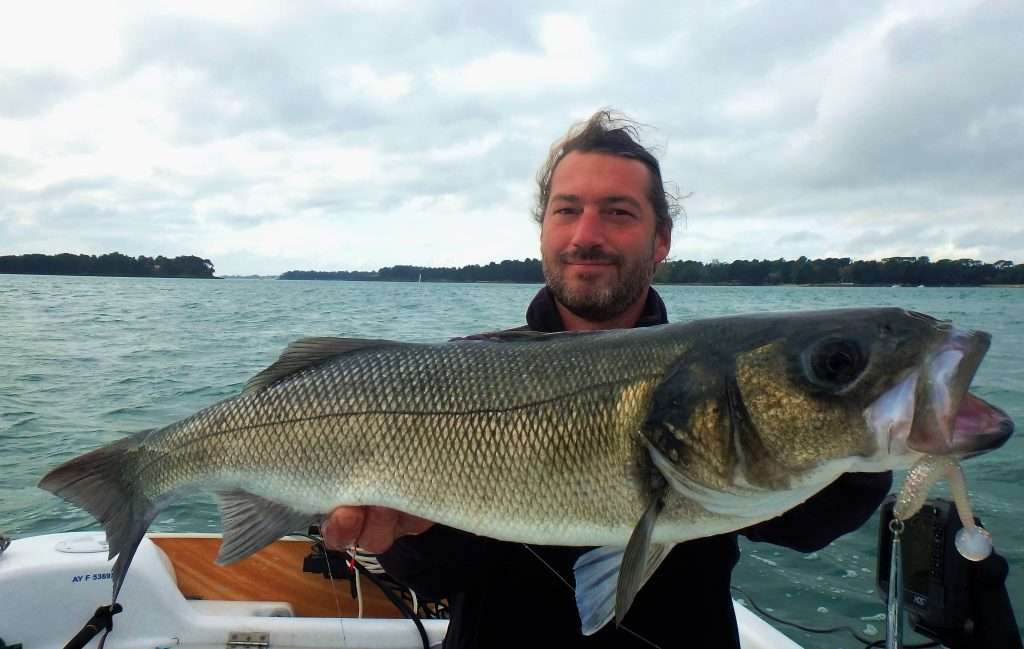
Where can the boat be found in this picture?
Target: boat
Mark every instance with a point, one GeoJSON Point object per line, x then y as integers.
{"type": "Point", "coordinates": [176, 596]}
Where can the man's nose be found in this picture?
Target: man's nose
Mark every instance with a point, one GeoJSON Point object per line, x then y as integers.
{"type": "Point", "coordinates": [589, 230]}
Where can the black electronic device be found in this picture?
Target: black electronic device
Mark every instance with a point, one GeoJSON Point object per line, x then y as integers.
{"type": "Point", "coordinates": [935, 577]}
{"type": "Point", "coordinates": [958, 602]}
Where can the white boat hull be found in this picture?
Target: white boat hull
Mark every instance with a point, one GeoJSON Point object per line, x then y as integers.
{"type": "Point", "coordinates": [48, 594]}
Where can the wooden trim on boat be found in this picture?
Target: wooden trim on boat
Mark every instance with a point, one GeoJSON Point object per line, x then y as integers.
{"type": "Point", "coordinates": [274, 574]}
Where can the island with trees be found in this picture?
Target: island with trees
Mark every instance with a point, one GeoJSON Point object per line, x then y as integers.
{"type": "Point", "coordinates": [112, 264]}
{"type": "Point", "coordinates": [843, 271]}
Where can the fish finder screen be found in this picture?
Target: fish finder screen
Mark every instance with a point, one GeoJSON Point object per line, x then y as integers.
{"type": "Point", "coordinates": [918, 561]}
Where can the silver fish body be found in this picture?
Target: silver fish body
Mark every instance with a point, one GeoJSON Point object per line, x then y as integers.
{"type": "Point", "coordinates": [633, 438]}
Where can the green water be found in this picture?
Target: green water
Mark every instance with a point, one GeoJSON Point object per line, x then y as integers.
{"type": "Point", "coordinates": [85, 361]}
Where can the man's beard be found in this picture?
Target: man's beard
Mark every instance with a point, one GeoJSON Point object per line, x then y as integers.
{"type": "Point", "coordinates": [599, 302]}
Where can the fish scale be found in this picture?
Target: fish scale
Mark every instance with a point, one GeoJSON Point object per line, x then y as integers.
{"type": "Point", "coordinates": [400, 460]}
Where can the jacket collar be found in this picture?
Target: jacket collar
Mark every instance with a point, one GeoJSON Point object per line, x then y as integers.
{"type": "Point", "coordinates": [542, 314]}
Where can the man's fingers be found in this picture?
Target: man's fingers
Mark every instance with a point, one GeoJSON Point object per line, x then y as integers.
{"type": "Point", "coordinates": [379, 530]}
{"type": "Point", "coordinates": [343, 527]}
{"type": "Point", "coordinates": [372, 528]}
{"type": "Point", "coordinates": [410, 524]}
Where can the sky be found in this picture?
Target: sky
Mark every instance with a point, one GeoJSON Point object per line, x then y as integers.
{"type": "Point", "coordinates": [351, 135]}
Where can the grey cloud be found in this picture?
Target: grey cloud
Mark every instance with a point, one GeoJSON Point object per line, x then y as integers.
{"type": "Point", "coordinates": [803, 236]}
{"type": "Point", "coordinates": [995, 243]}
{"type": "Point", "coordinates": [950, 107]}
{"type": "Point", "coordinates": [26, 94]}
{"type": "Point", "coordinates": [495, 23]}
{"type": "Point", "coordinates": [242, 81]}
{"type": "Point", "coordinates": [278, 78]}
{"type": "Point", "coordinates": [938, 130]}
{"type": "Point", "coordinates": [67, 188]}
{"type": "Point", "coordinates": [89, 218]}
{"type": "Point", "coordinates": [945, 118]}
{"type": "Point", "coordinates": [750, 42]}
{"type": "Point", "coordinates": [11, 166]}
{"type": "Point", "coordinates": [910, 239]}
{"type": "Point", "coordinates": [193, 185]}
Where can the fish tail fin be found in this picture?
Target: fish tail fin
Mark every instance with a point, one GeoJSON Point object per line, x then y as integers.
{"type": "Point", "coordinates": [103, 482]}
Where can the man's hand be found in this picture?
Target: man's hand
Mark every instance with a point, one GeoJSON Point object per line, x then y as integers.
{"type": "Point", "coordinates": [373, 529]}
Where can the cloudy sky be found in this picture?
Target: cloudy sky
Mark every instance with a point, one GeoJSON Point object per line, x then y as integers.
{"type": "Point", "coordinates": [354, 135]}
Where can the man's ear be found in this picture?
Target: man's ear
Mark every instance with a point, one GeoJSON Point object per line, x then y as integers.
{"type": "Point", "coordinates": [662, 244]}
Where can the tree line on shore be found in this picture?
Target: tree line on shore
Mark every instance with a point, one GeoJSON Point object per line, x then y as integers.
{"type": "Point", "coordinates": [526, 271]}
{"type": "Point", "coordinates": [912, 271]}
{"type": "Point", "coordinates": [110, 264]}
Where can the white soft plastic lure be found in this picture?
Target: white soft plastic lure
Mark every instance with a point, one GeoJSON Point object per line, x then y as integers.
{"type": "Point", "coordinates": [972, 541]}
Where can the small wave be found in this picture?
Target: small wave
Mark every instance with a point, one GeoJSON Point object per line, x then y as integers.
{"type": "Point", "coordinates": [129, 380]}
{"type": "Point", "coordinates": [18, 420]}
{"type": "Point", "coordinates": [763, 560]}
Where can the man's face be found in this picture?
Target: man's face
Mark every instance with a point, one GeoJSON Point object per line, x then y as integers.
{"type": "Point", "coordinates": [598, 240]}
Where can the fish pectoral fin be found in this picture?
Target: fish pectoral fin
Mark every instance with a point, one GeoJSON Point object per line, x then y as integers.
{"type": "Point", "coordinates": [608, 578]}
{"type": "Point", "coordinates": [637, 565]}
{"type": "Point", "coordinates": [251, 523]}
{"type": "Point", "coordinates": [307, 352]}
{"type": "Point", "coordinates": [597, 578]}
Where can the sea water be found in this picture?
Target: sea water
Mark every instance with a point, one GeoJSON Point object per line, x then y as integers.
{"type": "Point", "coordinates": [87, 360]}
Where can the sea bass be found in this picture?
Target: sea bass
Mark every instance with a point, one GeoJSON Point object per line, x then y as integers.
{"type": "Point", "coordinates": [634, 440]}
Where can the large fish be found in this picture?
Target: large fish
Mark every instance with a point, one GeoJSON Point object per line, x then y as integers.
{"type": "Point", "coordinates": [631, 439]}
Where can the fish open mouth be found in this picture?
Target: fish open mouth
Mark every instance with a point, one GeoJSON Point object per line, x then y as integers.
{"type": "Point", "coordinates": [978, 427]}
{"type": "Point", "coordinates": [948, 420]}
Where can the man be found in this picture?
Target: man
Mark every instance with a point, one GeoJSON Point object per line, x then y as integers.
{"type": "Point", "coordinates": [606, 222]}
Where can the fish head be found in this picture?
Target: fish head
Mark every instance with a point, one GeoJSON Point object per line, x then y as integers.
{"type": "Point", "coordinates": [929, 409]}
{"type": "Point", "coordinates": [769, 398]}
{"type": "Point", "coordinates": [948, 419]}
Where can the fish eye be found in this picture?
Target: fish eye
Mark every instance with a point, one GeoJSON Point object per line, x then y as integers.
{"type": "Point", "coordinates": [834, 363]}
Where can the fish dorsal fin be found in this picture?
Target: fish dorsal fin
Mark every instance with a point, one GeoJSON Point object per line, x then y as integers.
{"type": "Point", "coordinates": [510, 336]}
{"type": "Point", "coordinates": [307, 352]}
{"type": "Point", "coordinates": [527, 336]}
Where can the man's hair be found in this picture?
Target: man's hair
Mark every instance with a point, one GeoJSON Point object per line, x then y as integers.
{"type": "Point", "coordinates": [608, 132]}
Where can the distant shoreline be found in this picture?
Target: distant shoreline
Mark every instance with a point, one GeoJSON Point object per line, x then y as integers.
{"type": "Point", "coordinates": [4, 272]}
{"type": "Point", "coordinates": [833, 272]}
{"type": "Point", "coordinates": [843, 272]}
{"type": "Point", "coordinates": [113, 264]}
{"type": "Point", "coordinates": [655, 283]}
{"type": "Point", "coordinates": [456, 281]}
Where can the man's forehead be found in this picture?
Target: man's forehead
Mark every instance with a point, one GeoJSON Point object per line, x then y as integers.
{"type": "Point", "coordinates": [604, 199]}
{"type": "Point", "coordinates": [580, 173]}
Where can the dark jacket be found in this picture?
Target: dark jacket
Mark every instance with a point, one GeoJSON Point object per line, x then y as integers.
{"type": "Point", "coordinates": [506, 595]}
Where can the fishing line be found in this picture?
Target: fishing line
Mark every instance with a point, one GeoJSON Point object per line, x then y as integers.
{"type": "Point", "coordinates": [397, 601]}
{"type": "Point", "coordinates": [334, 587]}
{"type": "Point", "coordinates": [372, 565]}
{"type": "Point", "coordinates": [571, 588]}
{"type": "Point", "coordinates": [334, 591]}
{"type": "Point", "coordinates": [359, 568]}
